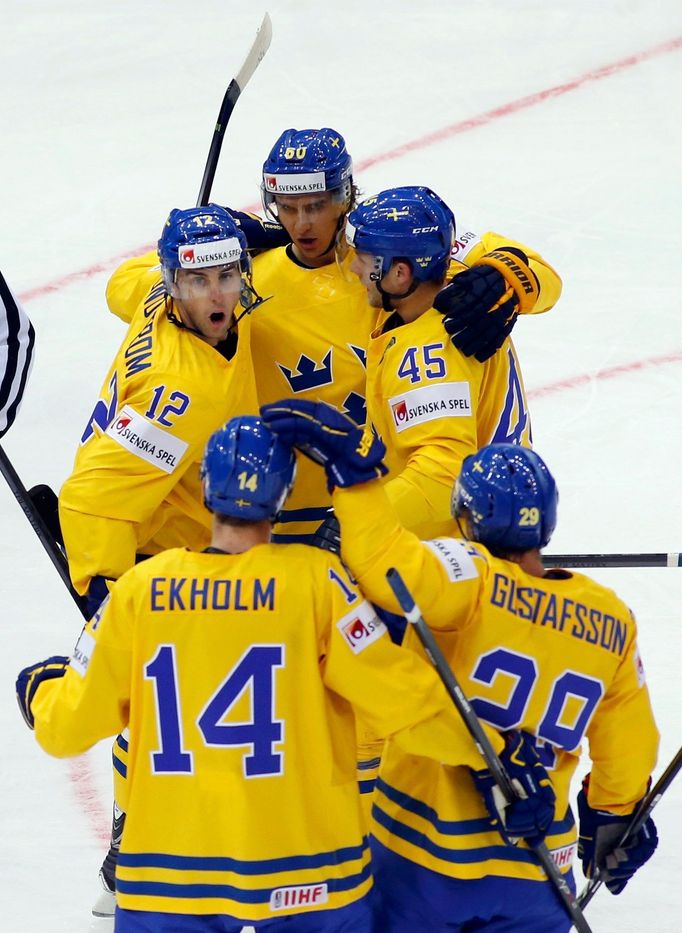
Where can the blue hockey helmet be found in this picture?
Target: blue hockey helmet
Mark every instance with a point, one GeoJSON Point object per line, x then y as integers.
{"type": "Point", "coordinates": [404, 223]}
{"type": "Point", "coordinates": [198, 238]}
{"type": "Point", "coordinates": [307, 162]}
{"type": "Point", "coordinates": [509, 497]}
{"type": "Point", "coordinates": [247, 471]}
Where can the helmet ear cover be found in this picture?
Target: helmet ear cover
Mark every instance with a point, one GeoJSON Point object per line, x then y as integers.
{"type": "Point", "coordinates": [247, 471]}
{"type": "Point", "coordinates": [507, 497]}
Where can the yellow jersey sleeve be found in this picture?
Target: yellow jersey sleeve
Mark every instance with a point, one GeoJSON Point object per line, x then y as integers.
{"type": "Point", "coordinates": [373, 540]}
{"type": "Point", "coordinates": [136, 282]}
{"type": "Point", "coordinates": [470, 247]}
{"type": "Point", "coordinates": [392, 690]}
{"type": "Point", "coordinates": [92, 700]}
{"type": "Point", "coordinates": [621, 766]}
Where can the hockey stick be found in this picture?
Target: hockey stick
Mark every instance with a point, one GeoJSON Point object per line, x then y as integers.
{"type": "Point", "coordinates": [46, 539]}
{"type": "Point", "coordinates": [260, 46]}
{"type": "Point", "coordinates": [473, 724]}
{"type": "Point", "coordinates": [639, 818]}
{"type": "Point", "coordinates": [612, 560]}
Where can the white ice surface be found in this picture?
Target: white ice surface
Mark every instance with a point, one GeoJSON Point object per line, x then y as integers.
{"type": "Point", "coordinates": [106, 115]}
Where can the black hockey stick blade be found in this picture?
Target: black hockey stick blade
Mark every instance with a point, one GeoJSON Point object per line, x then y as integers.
{"type": "Point", "coordinates": [639, 818]}
{"type": "Point", "coordinates": [255, 55]}
{"type": "Point", "coordinates": [473, 724]}
{"type": "Point", "coordinates": [671, 559]}
{"type": "Point", "coordinates": [47, 506]}
{"type": "Point", "coordinates": [36, 521]}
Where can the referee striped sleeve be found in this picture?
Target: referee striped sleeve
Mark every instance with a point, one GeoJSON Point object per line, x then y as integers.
{"type": "Point", "coordinates": [17, 339]}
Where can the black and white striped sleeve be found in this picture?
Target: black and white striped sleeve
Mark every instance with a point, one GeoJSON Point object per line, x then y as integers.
{"type": "Point", "coordinates": [17, 338]}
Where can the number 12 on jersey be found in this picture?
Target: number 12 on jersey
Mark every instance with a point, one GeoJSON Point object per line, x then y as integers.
{"type": "Point", "coordinates": [253, 672]}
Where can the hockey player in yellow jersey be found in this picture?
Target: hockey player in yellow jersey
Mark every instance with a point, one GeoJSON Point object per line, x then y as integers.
{"type": "Point", "coordinates": [430, 404]}
{"type": "Point", "coordinates": [325, 335]}
{"type": "Point", "coordinates": [552, 653]}
{"type": "Point", "coordinates": [182, 369]}
{"type": "Point", "coordinates": [235, 669]}
{"type": "Point", "coordinates": [310, 338]}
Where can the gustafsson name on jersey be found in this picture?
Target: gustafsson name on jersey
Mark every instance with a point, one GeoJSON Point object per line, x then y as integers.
{"type": "Point", "coordinates": [443, 400]}
{"type": "Point", "coordinates": [145, 440]}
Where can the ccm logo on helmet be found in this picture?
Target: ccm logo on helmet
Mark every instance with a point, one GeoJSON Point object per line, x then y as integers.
{"type": "Point", "coordinates": [424, 229]}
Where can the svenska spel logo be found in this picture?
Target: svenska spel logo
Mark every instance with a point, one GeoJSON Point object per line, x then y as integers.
{"type": "Point", "coordinates": [122, 423]}
{"type": "Point", "coordinates": [399, 412]}
{"type": "Point", "coordinates": [355, 630]}
{"type": "Point", "coordinates": [187, 254]}
{"type": "Point", "coordinates": [271, 181]}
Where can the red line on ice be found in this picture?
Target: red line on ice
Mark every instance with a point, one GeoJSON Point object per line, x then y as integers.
{"type": "Point", "coordinates": [463, 126]}
{"type": "Point", "coordinates": [422, 142]}
{"type": "Point", "coordinates": [89, 800]}
{"type": "Point", "coordinates": [573, 382]}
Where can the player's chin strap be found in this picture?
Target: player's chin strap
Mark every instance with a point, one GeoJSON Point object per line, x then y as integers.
{"type": "Point", "coordinates": [336, 238]}
{"type": "Point", "coordinates": [249, 299]}
{"type": "Point", "coordinates": [387, 298]}
{"type": "Point", "coordinates": [169, 308]}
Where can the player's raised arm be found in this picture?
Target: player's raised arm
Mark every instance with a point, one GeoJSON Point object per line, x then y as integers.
{"type": "Point", "coordinates": [372, 537]}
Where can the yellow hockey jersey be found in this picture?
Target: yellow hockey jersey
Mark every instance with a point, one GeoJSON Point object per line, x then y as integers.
{"type": "Point", "coordinates": [309, 340]}
{"type": "Point", "coordinates": [237, 675]}
{"type": "Point", "coordinates": [556, 656]}
{"type": "Point", "coordinates": [135, 485]}
{"type": "Point", "coordinates": [432, 406]}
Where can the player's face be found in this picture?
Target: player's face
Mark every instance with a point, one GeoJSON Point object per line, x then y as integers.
{"type": "Point", "coordinates": [312, 222]}
{"type": "Point", "coordinates": [364, 265]}
{"type": "Point", "coordinates": [206, 300]}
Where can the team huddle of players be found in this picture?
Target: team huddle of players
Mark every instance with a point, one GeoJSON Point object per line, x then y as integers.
{"type": "Point", "coordinates": [246, 680]}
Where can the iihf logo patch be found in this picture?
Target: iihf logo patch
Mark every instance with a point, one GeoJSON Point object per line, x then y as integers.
{"type": "Point", "coordinates": [299, 896]}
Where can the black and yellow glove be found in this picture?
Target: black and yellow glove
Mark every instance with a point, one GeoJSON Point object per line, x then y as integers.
{"type": "Point", "coordinates": [32, 677]}
{"type": "Point", "coordinates": [481, 304]}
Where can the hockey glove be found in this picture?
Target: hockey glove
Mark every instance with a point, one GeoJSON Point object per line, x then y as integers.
{"type": "Point", "coordinates": [350, 454]}
{"type": "Point", "coordinates": [531, 816]}
{"type": "Point", "coordinates": [260, 234]}
{"type": "Point", "coordinates": [600, 833]}
{"type": "Point", "coordinates": [481, 304]}
{"type": "Point", "coordinates": [32, 677]}
{"type": "Point", "coordinates": [327, 536]}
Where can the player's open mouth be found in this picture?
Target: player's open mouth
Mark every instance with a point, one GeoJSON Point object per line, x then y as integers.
{"type": "Point", "coordinates": [307, 242]}
{"type": "Point", "coordinates": [218, 317]}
